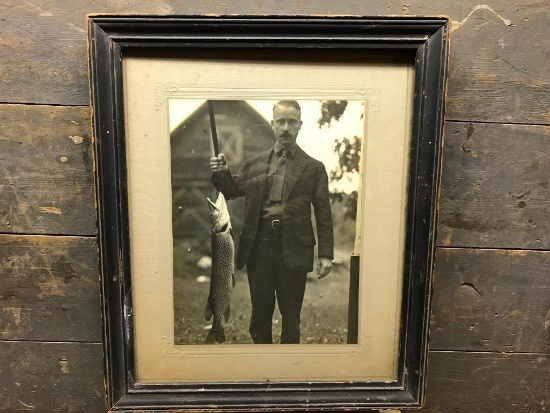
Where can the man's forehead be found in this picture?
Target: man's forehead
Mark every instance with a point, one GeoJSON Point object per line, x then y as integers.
{"type": "Point", "coordinates": [280, 111]}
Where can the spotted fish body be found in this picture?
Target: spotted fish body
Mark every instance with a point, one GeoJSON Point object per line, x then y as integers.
{"type": "Point", "coordinates": [222, 278]}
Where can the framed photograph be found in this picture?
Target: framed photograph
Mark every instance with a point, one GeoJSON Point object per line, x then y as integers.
{"type": "Point", "coordinates": [267, 194]}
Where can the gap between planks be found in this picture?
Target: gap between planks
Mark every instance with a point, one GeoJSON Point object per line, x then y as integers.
{"type": "Point", "coordinates": [50, 342]}
{"type": "Point", "coordinates": [521, 250]}
{"type": "Point", "coordinates": [44, 104]}
{"type": "Point", "coordinates": [494, 122]}
{"type": "Point", "coordinates": [28, 234]}
{"type": "Point", "coordinates": [504, 353]}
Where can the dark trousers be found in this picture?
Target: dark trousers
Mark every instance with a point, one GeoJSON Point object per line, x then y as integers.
{"type": "Point", "coordinates": [269, 281]}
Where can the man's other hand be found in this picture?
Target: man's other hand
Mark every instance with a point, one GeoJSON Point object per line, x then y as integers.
{"type": "Point", "coordinates": [218, 163]}
{"type": "Point", "coordinates": [323, 267]}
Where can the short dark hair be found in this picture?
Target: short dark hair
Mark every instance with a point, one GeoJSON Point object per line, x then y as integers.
{"type": "Point", "coordinates": [288, 103]}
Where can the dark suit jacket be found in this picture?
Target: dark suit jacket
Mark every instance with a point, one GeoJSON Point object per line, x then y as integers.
{"type": "Point", "coordinates": [306, 184]}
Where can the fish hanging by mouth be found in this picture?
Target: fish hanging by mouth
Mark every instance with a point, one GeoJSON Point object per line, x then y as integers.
{"type": "Point", "coordinates": [222, 279]}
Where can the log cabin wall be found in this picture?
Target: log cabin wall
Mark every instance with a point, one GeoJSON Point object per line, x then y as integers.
{"type": "Point", "coordinates": [490, 342]}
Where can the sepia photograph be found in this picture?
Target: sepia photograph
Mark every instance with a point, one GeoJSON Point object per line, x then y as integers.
{"type": "Point", "coordinates": [266, 206]}
{"type": "Point", "coordinates": [264, 220]}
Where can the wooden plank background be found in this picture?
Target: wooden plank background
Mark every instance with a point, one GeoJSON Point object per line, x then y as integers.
{"type": "Point", "coordinates": [490, 340]}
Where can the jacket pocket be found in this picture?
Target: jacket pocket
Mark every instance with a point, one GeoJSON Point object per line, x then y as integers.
{"type": "Point", "coordinates": [308, 240]}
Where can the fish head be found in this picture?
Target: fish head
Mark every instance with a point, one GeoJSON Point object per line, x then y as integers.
{"type": "Point", "coordinates": [219, 214]}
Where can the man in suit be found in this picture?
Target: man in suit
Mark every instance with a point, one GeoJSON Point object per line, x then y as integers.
{"type": "Point", "coordinates": [277, 239]}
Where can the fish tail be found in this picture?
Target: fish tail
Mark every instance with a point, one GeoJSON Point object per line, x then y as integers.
{"type": "Point", "coordinates": [215, 335]}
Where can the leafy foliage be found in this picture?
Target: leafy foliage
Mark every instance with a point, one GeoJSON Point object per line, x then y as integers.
{"type": "Point", "coordinates": [349, 155]}
{"type": "Point", "coordinates": [348, 151]}
{"type": "Point", "coordinates": [349, 202]}
{"type": "Point", "coordinates": [331, 109]}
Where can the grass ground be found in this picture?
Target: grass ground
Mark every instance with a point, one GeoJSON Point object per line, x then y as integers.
{"type": "Point", "coordinates": [324, 313]}
{"type": "Point", "coordinates": [325, 308]}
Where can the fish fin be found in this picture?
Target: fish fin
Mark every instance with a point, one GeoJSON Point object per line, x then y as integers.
{"type": "Point", "coordinates": [215, 335]}
{"type": "Point", "coordinates": [208, 310]}
{"type": "Point", "coordinates": [227, 313]}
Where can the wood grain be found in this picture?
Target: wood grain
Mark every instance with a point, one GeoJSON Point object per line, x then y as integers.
{"type": "Point", "coordinates": [487, 383]}
{"type": "Point", "coordinates": [495, 68]}
{"type": "Point", "coordinates": [498, 69]}
{"type": "Point", "coordinates": [43, 53]}
{"type": "Point", "coordinates": [491, 300]}
{"type": "Point", "coordinates": [49, 289]}
{"type": "Point", "coordinates": [495, 195]}
{"type": "Point", "coordinates": [51, 377]}
{"type": "Point", "coordinates": [495, 186]}
{"type": "Point", "coordinates": [46, 177]}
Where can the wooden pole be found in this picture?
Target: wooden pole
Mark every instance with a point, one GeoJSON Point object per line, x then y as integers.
{"type": "Point", "coordinates": [213, 128]}
{"type": "Point", "coordinates": [353, 300]}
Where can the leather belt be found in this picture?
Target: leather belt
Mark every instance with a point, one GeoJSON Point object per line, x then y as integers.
{"type": "Point", "coordinates": [272, 224]}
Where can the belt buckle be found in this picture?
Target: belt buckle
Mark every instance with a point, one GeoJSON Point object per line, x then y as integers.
{"type": "Point", "coordinates": [275, 223]}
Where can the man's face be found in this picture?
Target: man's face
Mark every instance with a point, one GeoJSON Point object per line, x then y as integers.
{"type": "Point", "coordinates": [286, 124]}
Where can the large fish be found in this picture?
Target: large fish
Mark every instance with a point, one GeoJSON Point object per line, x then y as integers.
{"type": "Point", "coordinates": [222, 279]}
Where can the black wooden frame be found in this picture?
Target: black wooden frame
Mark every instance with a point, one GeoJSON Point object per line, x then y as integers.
{"type": "Point", "coordinates": [110, 37]}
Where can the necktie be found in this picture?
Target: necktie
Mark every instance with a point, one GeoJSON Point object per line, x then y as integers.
{"type": "Point", "coordinates": [279, 177]}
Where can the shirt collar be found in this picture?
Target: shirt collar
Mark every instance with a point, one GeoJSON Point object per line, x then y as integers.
{"type": "Point", "coordinates": [278, 148]}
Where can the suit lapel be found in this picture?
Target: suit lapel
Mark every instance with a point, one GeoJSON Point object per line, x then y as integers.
{"type": "Point", "coordinates": [295, 169]}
